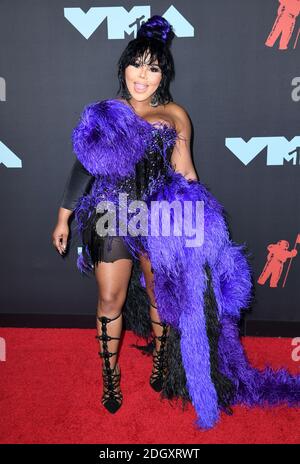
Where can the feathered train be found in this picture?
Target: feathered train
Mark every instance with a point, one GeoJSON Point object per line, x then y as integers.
{"type": "Point", "coordinates": [200, 290]}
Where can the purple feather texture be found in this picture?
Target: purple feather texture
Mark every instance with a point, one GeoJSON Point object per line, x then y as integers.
{"type": "Point", "coordinates": [103, 131]}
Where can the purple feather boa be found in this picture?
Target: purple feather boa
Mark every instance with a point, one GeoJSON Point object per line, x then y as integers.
{"type": "Point", "coordinates": [103, 131]}
{"type": "Point", "coordinates": [109, 140]}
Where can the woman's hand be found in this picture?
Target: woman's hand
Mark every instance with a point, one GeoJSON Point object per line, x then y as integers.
{"type": "Point", "coordinates": [61, 232]}
{"type": "Point", "coordinates": [60, 236]}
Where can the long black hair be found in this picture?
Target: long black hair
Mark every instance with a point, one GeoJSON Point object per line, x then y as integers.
{"type": "Point", "coordinates": [153, 37]}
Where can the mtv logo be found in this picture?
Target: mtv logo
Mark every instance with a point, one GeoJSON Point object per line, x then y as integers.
{"type": "Point", "coordinates": [279, 149]}
{"type": "Point", "coordinates": [120, 20]}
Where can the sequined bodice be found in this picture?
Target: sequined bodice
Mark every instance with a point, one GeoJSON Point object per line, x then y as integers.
{"type": "Point", "coordinates": [150, 172]}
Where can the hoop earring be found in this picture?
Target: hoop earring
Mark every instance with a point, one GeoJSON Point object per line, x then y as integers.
{"type": "Point", "coordinates": [154, 100]}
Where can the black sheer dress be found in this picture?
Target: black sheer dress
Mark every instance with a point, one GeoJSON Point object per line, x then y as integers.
{"type": "Point", "coordinates": [78, 183]}
{"type": "Point", "coordinates": [150, 173]}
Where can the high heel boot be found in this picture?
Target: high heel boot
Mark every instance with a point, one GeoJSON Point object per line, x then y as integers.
{"type": "Point", "coordinates": [112, 395]}
{"type": "Point", "coordinates": [159, 360]}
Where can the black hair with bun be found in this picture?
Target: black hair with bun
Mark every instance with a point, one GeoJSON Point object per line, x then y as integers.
{"type": "Point", "coordinates": [154, 36]}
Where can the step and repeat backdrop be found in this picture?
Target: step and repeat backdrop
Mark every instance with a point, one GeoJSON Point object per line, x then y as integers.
{"type": "Point", "coordinates": [237, 76]}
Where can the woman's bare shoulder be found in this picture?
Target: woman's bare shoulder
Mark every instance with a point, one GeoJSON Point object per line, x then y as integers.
{"type": "Point", "coordinates": [178, 114]}
{"type": "Point", "coordinates": [176, 109]}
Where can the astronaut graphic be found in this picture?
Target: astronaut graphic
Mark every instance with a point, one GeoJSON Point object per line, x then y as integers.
{"type": "Point", "coordinates": [278, 254]}
{"type": "Point", "coordinates": [284, 24]}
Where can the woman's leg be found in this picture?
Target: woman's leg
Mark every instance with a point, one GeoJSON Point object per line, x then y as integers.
{"type": "Point", "coordinates": [112, 280]}
{"type": "Point", "coordinates": [160, 329]}
{"type": "Point", "coordinates": [149, 279]}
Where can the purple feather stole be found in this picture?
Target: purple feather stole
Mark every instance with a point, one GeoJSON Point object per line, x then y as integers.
{"type": "Point", "coordinates": [200, 290]}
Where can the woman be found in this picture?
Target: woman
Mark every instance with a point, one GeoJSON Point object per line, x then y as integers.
{"type": "Point", "coordinates": [190, 295]}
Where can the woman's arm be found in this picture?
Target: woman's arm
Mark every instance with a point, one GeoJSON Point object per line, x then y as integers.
{"type": "Point", "coordinates": [76, 185]}
{"type": "Point", "coordinates": [181, 158]}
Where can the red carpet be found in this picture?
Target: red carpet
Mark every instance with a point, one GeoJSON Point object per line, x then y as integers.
{"type": "Point", "coordinates": [51, 388]}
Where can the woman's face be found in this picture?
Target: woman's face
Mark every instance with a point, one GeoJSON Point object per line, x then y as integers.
{"type": "Point", "coordinates": [142, 79]}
